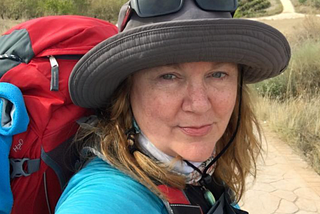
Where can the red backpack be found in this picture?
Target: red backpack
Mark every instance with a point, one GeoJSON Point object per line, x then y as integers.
{"type": "Point", "coordinates": [38, 56]}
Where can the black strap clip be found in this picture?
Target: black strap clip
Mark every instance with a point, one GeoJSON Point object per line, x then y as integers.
{"type": "Point", "coordinates": [17, 167]}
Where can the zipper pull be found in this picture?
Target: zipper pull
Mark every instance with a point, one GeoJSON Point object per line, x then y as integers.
{"type": "Point", "coordinates": [54, 86]}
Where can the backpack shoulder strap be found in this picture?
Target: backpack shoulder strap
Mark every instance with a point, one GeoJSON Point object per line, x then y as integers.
{"type": "Point", "coordinates": [15, 48]}
{"type": "Point", "coordinates": [177, 202]}
{"type": "Point", "coordinates": [13, 120]}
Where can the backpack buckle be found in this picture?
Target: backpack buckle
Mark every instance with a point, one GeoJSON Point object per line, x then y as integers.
{"type": "Point", "coordinates": [17, 167]}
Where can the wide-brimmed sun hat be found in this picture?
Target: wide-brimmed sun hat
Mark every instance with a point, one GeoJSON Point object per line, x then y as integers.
{"type": "Point", "coordinates": [189, 34]}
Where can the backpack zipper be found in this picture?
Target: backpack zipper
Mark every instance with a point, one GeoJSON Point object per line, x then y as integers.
{"type": "Point", "coordinates": [46, 191]}
{"type": "Point", "coordinates": [54, 85]}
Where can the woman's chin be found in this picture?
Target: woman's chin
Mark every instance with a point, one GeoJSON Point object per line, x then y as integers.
{"type": "Point", "coordinates": [196, 157]}
{"type": "Point", "coordinates": [197, 153]}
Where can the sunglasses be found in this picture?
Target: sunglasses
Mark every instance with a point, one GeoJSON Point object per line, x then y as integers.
{"type": "Point", "coordinates": [152, 8]}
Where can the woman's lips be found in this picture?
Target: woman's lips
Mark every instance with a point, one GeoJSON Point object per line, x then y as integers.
{"type": "Point", "coordinates": [196, 131]}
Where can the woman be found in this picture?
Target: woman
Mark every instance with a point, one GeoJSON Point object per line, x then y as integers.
{"type": "Point", "coordinates": [175, 129]}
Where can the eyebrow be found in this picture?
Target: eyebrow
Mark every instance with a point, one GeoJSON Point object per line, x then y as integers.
{"type": "Point", "coordinates": [178, 66]}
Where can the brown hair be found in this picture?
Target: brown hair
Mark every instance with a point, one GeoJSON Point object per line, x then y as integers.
{"type": "Point", "coordinates": [232, 167]}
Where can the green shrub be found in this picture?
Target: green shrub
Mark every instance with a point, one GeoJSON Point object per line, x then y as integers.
{"type": "Point", "coordinates": [27, 9]}
{"type": "Point", "coordinates": [316, 3]}
{"type": "Point", "coordinates": [303, 73]}
{"type": "Point", "coordinates": [57, 7]}
{"type": "Point", "coordinates": [276, 88]}
{"type": "Point", "coordinates": [311, 3]}
{"type": "Point", "coordinates": [249, 8]}
{"type": "Point", "coordinates": [107, 10]}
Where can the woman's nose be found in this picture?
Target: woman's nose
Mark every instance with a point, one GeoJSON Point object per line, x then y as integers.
{"type": "Point", "coordinates": [196, 99]}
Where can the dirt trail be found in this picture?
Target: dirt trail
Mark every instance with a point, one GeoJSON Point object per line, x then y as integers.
{"type": "Point", "coordinates": [287, 13]}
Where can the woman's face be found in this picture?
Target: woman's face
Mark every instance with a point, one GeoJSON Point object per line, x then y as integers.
{"type": "Point", "coordinates": [184, 109]}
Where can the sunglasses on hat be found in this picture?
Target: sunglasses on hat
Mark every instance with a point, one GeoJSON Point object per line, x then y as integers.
{"type": "Point", "coordinates": [152, 8]}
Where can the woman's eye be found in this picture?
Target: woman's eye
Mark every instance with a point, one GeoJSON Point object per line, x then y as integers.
{"type": "Point", "coordinates": [218, 74]}
{"type": "Point", "coordinates": [168, 76]}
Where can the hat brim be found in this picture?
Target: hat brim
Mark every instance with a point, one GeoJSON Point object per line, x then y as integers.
{"type": "Point", "coordinates": [262, 50]}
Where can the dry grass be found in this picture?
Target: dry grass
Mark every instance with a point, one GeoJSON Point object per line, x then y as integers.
{"type": "Point", "coordinates": [295, 28]}
{"type": "Point", "coordinates": [309, 29]}
{"type": "Point", "coordinates": [308, 6]}
{"type": "Point", "coordinates": [296, 116]}
{"type": "Point", "coordinates": [6, 24]}
{"type": "Point", "coordinates": [297, 121]}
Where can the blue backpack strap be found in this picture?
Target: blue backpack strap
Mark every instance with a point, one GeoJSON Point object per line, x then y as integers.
{"type": "Point", "coordinates": [13, 120]}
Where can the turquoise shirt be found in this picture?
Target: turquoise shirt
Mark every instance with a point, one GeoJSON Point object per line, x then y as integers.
{"type": "Point", "coordinates": [99, 188]}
